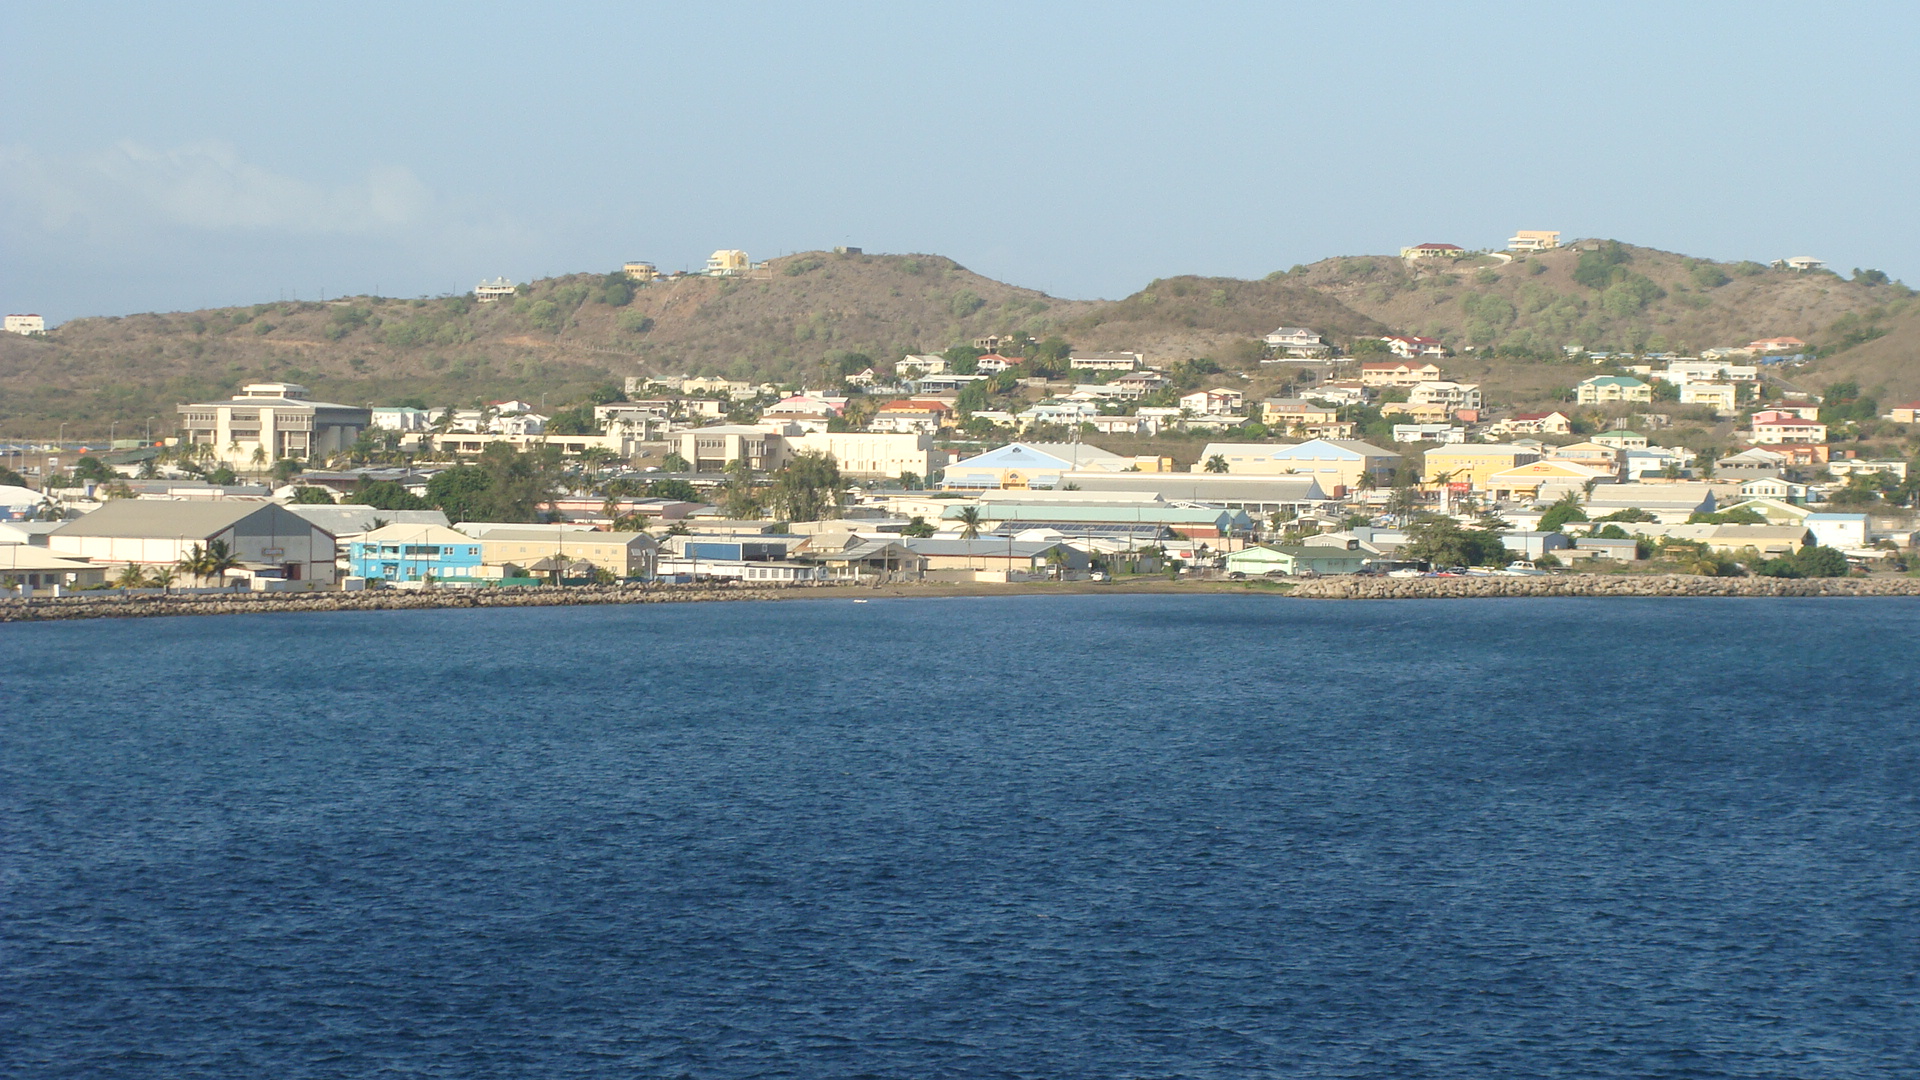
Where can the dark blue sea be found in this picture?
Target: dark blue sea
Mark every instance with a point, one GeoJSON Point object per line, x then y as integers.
{"type": "Point", "coordinates": [1049, 837]}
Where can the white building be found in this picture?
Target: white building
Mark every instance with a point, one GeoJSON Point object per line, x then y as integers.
{"type": "Point", "coordinates": [1298, 341]}
{"type": "Point", "coordinates": [1533, 240]}
{"type": "Point", "coordinates": [1434, 433]}
{"type": "Point", "coordinates": [489, 291]}
{"type": "Point", "coordinates": [270, 421]}
{"type": "Point", "coordinates": [26, 324]}
{"type": "Point", "coordinates": [1453, 395]}
{"type": "Point", "coordinates": [401, 418]}
{"type": "Point", "coordinates": [1114, 361]}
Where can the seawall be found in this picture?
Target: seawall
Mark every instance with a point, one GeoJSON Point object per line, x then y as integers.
{"type": "Point", "coordinates": [98, 605]}
{"type": "Point", "coordinates": [1382, 588]}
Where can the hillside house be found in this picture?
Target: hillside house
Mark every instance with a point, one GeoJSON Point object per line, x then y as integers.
{"type": "Point", "coordinates": [1412, 348]}
{"type": "Point", "coordinates": [1407, 373]}
{"type": "Point", "coordinates": [1297, 342]}
{"type": "Point", "coordinates": [1778, 430]}
{"type": "Point", "coordinates": [1621, 439]}
{"type": "Point", "coordinates": [489, 292]}
{"type": "Point", "coordinates": [1908, 413]}
{"type": "Point", "coordinates": [26, 325]}
{"type": "Point", "coordinates": [1537, 423]}
{"type": "Point", "coordinates": [728, 263]}
{"type": "Point", "coordinates": [1219, 401]}
{"type": "Point", "coordinates": [994, 363]}
{"type": "Point", "coordinates": [1453, 395]}
{"type": "Point", "coordinates": [1608, 389]}
{"type": "Point", "coordinates": [911, 415]}
{"type": "Point", "coordinates": [1533, 240]}
{"type": "Point", "coordinates": [1722, 398]}
{"type": "Point", "coordinates": [1114, 361]}
{"type": "Point", "coordinates": [1778, 345]}
{"type": "Point", "coordinates": [1433, 251]}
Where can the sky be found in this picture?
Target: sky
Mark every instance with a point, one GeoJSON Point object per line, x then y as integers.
{"type": "Point", "coordinates": [171, 157]}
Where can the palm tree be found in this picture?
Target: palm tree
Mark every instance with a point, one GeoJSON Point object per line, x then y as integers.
{"type": "Point", "coordinates": [162, 576]}
{"type": "Point", "coordinates": [194, 564]}
{"type": "Point", "coordinates": [131, 578]}
{"type": "Point", "coordinates": [219, 560]}
{"type": "Point", "coordinates": [969, 523]}
{"type": "Point", "coordinates": [1217, 463]}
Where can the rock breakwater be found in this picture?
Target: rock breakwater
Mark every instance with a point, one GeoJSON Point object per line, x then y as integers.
{"type": "Point", "coordinates": [107, 605]}
{"type": "Point", "coordinates": [1383, 588]}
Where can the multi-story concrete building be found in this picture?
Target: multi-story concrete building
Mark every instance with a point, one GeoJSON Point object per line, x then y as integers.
{"type": "Point", "coordinates": [270, 421]}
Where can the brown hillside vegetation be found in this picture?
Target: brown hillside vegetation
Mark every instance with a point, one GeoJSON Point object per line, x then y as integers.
{"type": "Point", "coordinates": [1224, 318]}
{"type": "Point", "coordinates": [558, 339]}
{"type": "Point", "coordinates": [563, 336]}
{"type": "Point", "coordinates": [1655, 301]}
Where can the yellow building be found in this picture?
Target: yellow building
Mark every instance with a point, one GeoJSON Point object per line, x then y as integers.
{"type": "Point", "coordinates": [641, 271]}
{"type": "Point", "coordinates": [1533, 240]}
{"type": "Point", "coordinates": [728, 264]}
{"type": "Point", "coordinates": [1422, 413]}
{"type": "Point", "coordinates": [1469, 463]}
{"type": "Point", "coordinates": [1543, 479]}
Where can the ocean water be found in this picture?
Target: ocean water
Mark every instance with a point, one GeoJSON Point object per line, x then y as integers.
{"type": "Point", "coordinates": [1105, 836]}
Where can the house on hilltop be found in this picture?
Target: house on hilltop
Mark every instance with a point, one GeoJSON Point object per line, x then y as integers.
{"type": "Point", "coordinates": [1433, 251]}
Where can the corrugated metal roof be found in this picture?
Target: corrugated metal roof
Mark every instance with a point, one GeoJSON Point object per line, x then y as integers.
{"type": "Point", "coordinates": [196, 520]}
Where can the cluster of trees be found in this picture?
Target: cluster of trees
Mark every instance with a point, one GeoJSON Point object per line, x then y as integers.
{"type": "Point", "coordinates": [505, 484]}
{"type": "Point", "coordinates": [808, 488]}
{"type": "Point", "coordinates": [1442, 541]}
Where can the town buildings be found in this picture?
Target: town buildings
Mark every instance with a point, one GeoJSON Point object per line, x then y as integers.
{"type": "Point", "coordinates": [268, 540]}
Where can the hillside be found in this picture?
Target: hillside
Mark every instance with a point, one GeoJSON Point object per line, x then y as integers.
{"type": "Point", "coordinates": [560, 338]}
{"type": "Point", "coordinates": [1224, 318]}
{"type": "Point", "coordinates": [563, 336]}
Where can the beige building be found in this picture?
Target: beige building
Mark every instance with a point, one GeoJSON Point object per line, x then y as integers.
{"type": "Point", "coordinates": [712, 449]}
{"type": "Point", "coordinates": [626, 554]}
{"type": "Point", "coordinates": [865, 453]}
{"type": "Point", "coordinates": [1408, 373]}
{"type": "Point", "coordinates": [32, 567]}
{"type": "Point", "coordinates": [641, 271]}
{"type": "Point", "coordinates": [270, 421]}
{"type": "Point", "coordinates": [728, 263]}
{"type": "Point", "coordinates": [1475, 463]}
{"type": "Point", "coordinates": [1721, 397]}
{"type": "Point", "coordinates": [1533, 240]}
{"type": "Point", "coordinates": [26, 324]}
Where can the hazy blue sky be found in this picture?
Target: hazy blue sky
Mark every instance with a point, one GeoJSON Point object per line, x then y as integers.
{"type": "Point", "coordinates": [178, 155]}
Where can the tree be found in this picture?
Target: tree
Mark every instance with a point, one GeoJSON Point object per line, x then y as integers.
{"type": "Point", "coordinates": [309, 495]}
{"type": "Point", "coordinates": [1217, 463]}
{"type": "Point", "coordinates": [677, 490]}
{"type": "Point", "coordinates": [162, 577]}
{"type": "Point", "coordinates": [673, 462]}
{"type": "Point", "coordinates": [91, 468]}
{"type": "Point", "coordinates": [286, 469]}
{"type": "Point", "coordinates": [1565, 509]}
{"type": "Point", "coordinates": [970, 521]}
{"type": "Point", "coordinates": [918, 528]}
{"type": "Point", "coordinates": [384, 495]}
{"type": "Point", "coordinates": [808, 488]}
{"type": "Point", "coordinates": [1442, 542]}
{"type": "Point", "coordinates": [222, 476]}
{"type": "Point", "coordinates": [131, 577]}
{"type": "Point", "coordinates": [9, 478]}
{"type": "Point", "coordinates": [740, 501]}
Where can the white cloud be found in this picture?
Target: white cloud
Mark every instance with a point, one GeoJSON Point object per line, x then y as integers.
{"type": "Point", "coordinates": [207, 187]}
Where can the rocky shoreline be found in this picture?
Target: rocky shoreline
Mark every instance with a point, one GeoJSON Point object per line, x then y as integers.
{"type": "Point", "coordinates": [1383, 588]}
{"type": "Point", "coordinates": [109, 605]}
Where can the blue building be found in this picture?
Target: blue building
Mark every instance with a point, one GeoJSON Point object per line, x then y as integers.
{"type": "Point", "coordinates": [415, 553]}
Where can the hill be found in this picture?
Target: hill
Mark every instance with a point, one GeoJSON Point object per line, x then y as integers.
{"type": "Point", "coordinates": [561, 337]}
{"type": "Point", "coordinates": [1224, 318]}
